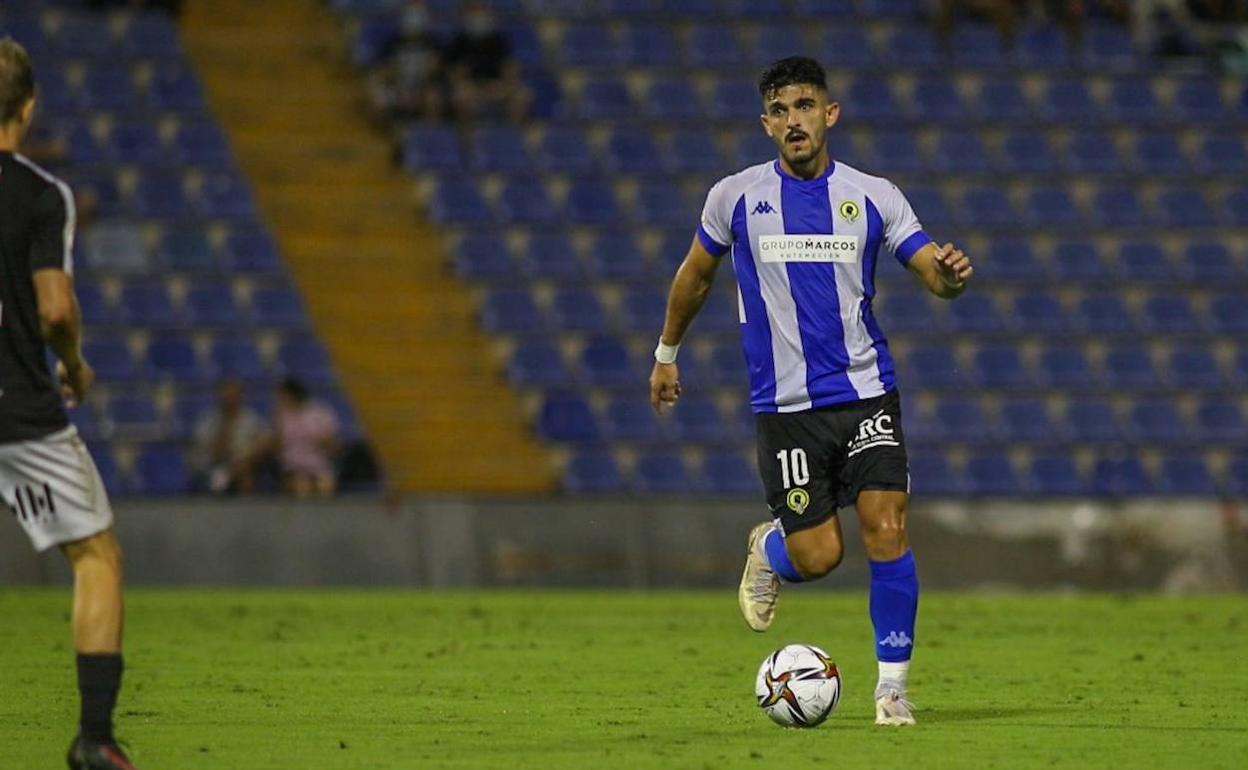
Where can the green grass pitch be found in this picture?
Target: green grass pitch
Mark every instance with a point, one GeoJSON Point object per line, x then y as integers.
{"type": "Point", "coordinates": [250, 680]}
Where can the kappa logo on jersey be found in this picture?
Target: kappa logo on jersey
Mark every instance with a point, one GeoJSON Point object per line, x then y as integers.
{"type": "Point", "coordinates": [764, 207]}
{"type": "Point", "coordinates": [798, 500]}
{"type": "Point", "coordinates": [897, 639]}
{"type": "Point", "coordinates": [876, 430]}
{"type": "Point", "coordinates": [849, 211]}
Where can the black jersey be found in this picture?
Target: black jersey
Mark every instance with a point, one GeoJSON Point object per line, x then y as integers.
{"type": "Point", "coordinates": [36, 232]}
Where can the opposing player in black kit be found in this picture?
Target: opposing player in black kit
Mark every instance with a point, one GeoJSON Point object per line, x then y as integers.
{"type": "Point", "coordinates": [47, 476]}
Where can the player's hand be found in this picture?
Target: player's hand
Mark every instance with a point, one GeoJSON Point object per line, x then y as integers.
{"type": "Point", "coordinates": [75, 381]}
{"type": "Point", "coordinates": [664, 387]}
{"type": "Point", "coordinates": [953, 266]}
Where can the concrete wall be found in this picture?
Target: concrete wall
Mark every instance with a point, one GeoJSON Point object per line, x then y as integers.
{"type": "Point", "coordinates": [1149, 544]}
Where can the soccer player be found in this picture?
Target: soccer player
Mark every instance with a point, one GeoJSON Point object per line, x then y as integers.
{"type": "Point", "coordinates": [47, 476]}
{"type": "Point", "coordinates": [805, 232]}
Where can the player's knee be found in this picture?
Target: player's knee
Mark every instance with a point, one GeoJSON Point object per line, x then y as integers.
{"type": "Point", "coordinates": [815, 562]}
{"type": "Point", "coordinates": [100, 550]}
{"type": "Point", "coordinates": [885, 537]}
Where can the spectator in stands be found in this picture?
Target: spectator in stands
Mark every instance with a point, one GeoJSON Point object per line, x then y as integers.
{"type": "Point", "coordinates": [304, 440]}
{"type": "Point", "coordinates": [483, 75]}
{"type": "Point", "coordinates": [412, 83]}
{"type": "Point", "coordinates": [223, 439]}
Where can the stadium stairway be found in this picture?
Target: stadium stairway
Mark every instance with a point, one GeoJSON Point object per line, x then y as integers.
{"type": "Point", "coordinates": [399, 326]}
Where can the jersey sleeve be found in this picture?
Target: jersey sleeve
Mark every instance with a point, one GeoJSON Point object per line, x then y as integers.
{"type": "Point", "coordinates": [715, 230]}
{"type": "Point", "coordinates": [903, 235]}
{"type": "Point", "coordinates": [52, 240]}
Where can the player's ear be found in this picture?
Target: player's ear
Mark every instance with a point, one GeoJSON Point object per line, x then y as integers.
{"type": "Point", "coordinates": [28, 110]}
{"type": "Point", "coordinates": [832, 114]}
{"type": "Point", "coordinates": [766, 126]}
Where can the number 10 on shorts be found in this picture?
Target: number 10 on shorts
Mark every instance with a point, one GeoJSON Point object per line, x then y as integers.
{"type": "Point", "coordinates": [793, 468]}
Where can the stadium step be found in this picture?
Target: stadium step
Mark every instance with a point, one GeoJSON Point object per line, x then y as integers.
{"type": "Point", "coordinates": [398, 325]}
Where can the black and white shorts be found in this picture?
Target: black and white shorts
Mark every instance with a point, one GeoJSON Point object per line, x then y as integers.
{"type": "Point", "coordinates": [53, 489]}
{"type": "Point", "coordinates": [818, 461]}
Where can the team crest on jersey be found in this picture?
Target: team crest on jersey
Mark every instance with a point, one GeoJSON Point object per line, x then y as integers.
{"type": "Point", "coordinates": [849, 211]}
{"type": "Point", "coordinates": [798, 500]}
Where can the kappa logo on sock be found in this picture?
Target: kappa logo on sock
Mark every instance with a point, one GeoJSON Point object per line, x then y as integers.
{"type": "Point", "coordinates": [897, 639]}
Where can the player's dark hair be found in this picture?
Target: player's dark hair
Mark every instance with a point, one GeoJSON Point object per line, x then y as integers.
{"type": "Point", "coordinates": [17, 79]}
{"type": "Point", "coordinates": [792, 71]}
{"type": "Point", "coordinates": [295, 389]}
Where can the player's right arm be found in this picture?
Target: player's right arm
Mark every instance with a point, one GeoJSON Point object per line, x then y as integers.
{"type": "Point", "coordinates": [688, 293]}
{"type": "Point", "coordinates": [60, 319]}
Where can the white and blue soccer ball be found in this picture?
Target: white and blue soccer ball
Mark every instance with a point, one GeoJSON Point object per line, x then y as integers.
{"type": "Point", "coordinates": [798, 686]}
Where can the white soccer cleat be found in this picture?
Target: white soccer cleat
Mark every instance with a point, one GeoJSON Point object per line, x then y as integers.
{"type": "Point", "coordinates": [891, 706]}
{"type": "Point", "coordinates": [759, 585]}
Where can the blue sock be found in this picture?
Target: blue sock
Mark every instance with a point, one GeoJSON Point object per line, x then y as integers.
{"type": "Point", "coordinates": [778, 557]}
{"type": "Point", "coordinates": [894, 605]}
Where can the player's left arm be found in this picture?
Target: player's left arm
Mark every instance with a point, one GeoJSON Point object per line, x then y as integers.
{"type": "Point", "coordinates": [944, 270]}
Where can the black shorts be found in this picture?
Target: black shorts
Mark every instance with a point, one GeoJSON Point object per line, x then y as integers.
{"type": "Point", "coordinates": [817, 461]}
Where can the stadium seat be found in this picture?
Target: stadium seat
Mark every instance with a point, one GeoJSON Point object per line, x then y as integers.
{"type": "Point", "coordinates": [278, 306]}
{"type": "Point", "coordinates": [774, 40]}
{"type": "Point", "coordinates": [173, 356]}
{"type": "Point", "coordinates": [432, 147]}
{"type": "Point", "coordinates": [933, 98]}
{"type": "Point", "coordinates": [563, 149]}
{"type": "Point", "coordinates": [1050, 207]}
{"type": "Point", "coordinates": [458, 202]}
{"type": "Point", "coordinates": [1143, 261]}
{"type": "Point", "coordinates": [1211, 262]}
{"type": "Point", "coordinates": [1013, 259]}
{"type": "Point", "coordinates": [146, 303]}
{"type": "Point", "coordinates": [1221, 420]}
{"type": "Point", "coordinates": [1184, 207]}
{"type": "Point", "coordinates": [187, 250]}
{"type": "Point", "coordinates": [713, 47]}
{"type": "Point", "coordinates": [1168, 313]}
{"type": "Point", "coordinates": [116, 247]}
{"type": "Point", "coordinates": [894, 152]}
{"type": "Point", "coordinates": [665, 472]}
{"type": "Point", "coordinates": [1156, 422]}
{"type": "Point", "coordinates": [1064, 367]}
{"type": "Point", "coordinates": [1117, 207]}
{"type": "Point", "coordinates": [648, 45]}
{"type": "Point", "coordinates": [1001, 366]}
{"type": "Point", "coordinates": [1235, 207]}
{"type": "Point", "coordinates": [251, 250]}
{"type": "Point", "coordinates": [662, 203]}
{"type": "Point", "coordinates": [1092, 152]}
{"type": "Point", "coordinates": [961, 152]}
{"type": "Point", "coordinates": [988, 207]}
{"type": "Point", "coordinates": [211, 305]}
{"type": "Point", "coordinates": [931, 475]}
{"type": "Point", "coordinates": [225, 195]}
{"type": "Point", "coordinates": [500, 149]}
{"type": "Point", "coordinates": [1001, 100]}
{"type": "Point", "coordinates": [632, 151]}
{"type": "Point", "coordinates": [840, 47]}
{"type": "Point", "coordinates": [1026, 152]}
{"type": "Point", "coordinates": [871, 98]}
{"type": "Point", "coordinates": [1042, 47]}
{"type": "Point", "coordinates": [511, 311]}
{"type": "Point", "coordinates": [591, 201]}
{"type": "Point", "coordinates": [689, 151]}
{"type": "Point", "coordinates": [605, 99]}
{"type": "Point", "coordinates": [1197, 100]}
{"type": "Point", "coordinates": [174, 89]}
{"type": "Point", "coordinates": [134, 418]}
{"type": "Point", "coordinates": [1228, 313]}
{"type": "Point", "coordinates": [578, 309]}
{"type": "Point", "coordinates": [306, 359]}
{"type": "Point", "coordinates": [483, 256]}
{"type": "Point", "coordinates": [672, 98]}
{"type": "Point", "coordinates": [978, 46]}
{"type": "Point", "coordinates": [109, 88]}
{"type": "Point", "coordinates": [1185, 475]}
{"type": "Point", "coordinates": [935, 368]}
{"type": "Point", "coordinates": [1119, 475]}
{"type": "Point", "coordinates": [698, 420]}
{"type": "Point", "coordinates": [630, 419]}
{"type": "Point", "coordinates": [238, 357]}
{"type": "Point", "coordinates": [1158, 153]}
{"type": "Point", "coordinates": [97, 310]}
{"type": "Point", "coordinates": [111, 359]}
{"type": "Point", "coordinates": [1107, 46]}
{"type": "Point", "coordinates": [962, 419]}
{"type": "Point", "coordinates": [1194, 368]}
{"type": "Point", "coordinates": [523, 202]}
{"type": "Point", "coordinates": [606, 362]}
{"type": "Point", "coordinates": [587, 44]}
{"type": "Point", "coordinates": [149, 35]}
{"type": "Point", "coordinates": [593, 471]}
{"type": "Point", "coordinates": [550, 257]}
{"type": "Point", "coordinates": [537, 364]}
{"type": "Point", "coordinates": [977, 314]}
{"type": "Point", "coordinates": [641, 308]}
{"type": "Point", "coordinates": [1027, 420]}
{"type": "Point", "coordinates": [567, 417]}
{"type": "Point", "coordinates": [1090, 420]}
{"type": "Point", "coordinates": [1078, 261]}
{"type": "Point", "coordinates": [1130, 367]}
{"type": "Point", "coordinates": [1222, 153]}
{"type": "Point", "coordinates": [135, 143]}
{"type": "Point", "coordinates": [1039, 313]}
{"type": "Point", "coordinates": [1103, 313]}
{"type": "Point", "coordinates": [1056, 474]}
{"type": "Point", "coordinates": [160, 470]}
{"type": "Point", "coordinates": [728, 472]}
{"type": "Point", "coordinates": [1132, 100]}
{"type": "Point", "coordinates": [160, 195]}
{"type": "Point", "coordinates": [992, 474]}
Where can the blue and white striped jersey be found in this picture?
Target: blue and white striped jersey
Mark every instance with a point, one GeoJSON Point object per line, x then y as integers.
{"type": "Point", "coordinates": [804, 252]}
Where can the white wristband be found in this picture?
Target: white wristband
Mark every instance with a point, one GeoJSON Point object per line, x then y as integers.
{"type": "Point", "coordinates": [664, 353]}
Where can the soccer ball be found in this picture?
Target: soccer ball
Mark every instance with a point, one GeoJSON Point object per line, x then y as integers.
{"type": "Point", "coordinates": [798, 686]}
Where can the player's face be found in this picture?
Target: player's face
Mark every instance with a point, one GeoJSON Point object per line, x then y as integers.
{"type": "Point", "coordinates": [797, 118]}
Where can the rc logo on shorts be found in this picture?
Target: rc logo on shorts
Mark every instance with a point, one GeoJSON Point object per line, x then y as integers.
{"type": "Point", "coordinates": [798, 500]}
{"type": "Point", "coordinates": [877, 430]}
{"type": "Point", "coordinates": [849, 211]}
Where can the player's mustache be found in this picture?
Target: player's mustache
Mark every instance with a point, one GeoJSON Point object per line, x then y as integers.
{"type": "Point", "coordinates": [794, 135]}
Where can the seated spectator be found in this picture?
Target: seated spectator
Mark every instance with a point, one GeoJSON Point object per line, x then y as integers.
{"type": "Point", "coordinates": [304, 440]}
{"type": "Point", "coordinates": [223, 439]}
{"type": "Point", "coordinates": [483, 75]}
{"type": "Point", "coordinates": [412, 83]}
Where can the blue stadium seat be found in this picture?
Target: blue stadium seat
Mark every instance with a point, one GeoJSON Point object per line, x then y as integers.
{"type": "Point", "coordinates": [976, 314]}
{"type": "Point", "coordinates": [894, 152]}
{"type": "Point", "coordinates": [1092, 420]}
{"type": "Point", "coordinates": [929, 204]}
{"type": "Point", "coordinates": [1117, 207]}
{"type": "Point", "coordinates": [1001, 100]}
{"type": "Point", "coordinates": [458, 201]}
{"type": "Point", "coordinates": [101, 189]}
{"type": "Point", "coordinates": [115, 246]}
{"type": "Point", "coordinates": [1197, 100]}
{"type": "Point", "coordinates": [1228, 314]}
{"type": "Point", "coordinates": [1066, 368]}
{"type": "Point", "coordinates": [500, 149]}
{"type": "Point", "coordinates": [934, 98]}
{"type": "Point", "coordinates": [1103, 313]}
{"type": "Point", "coordinates": [672, 98]}
{"type": "Point", "coordinates": [690, 151]}
{"type": "Point", "coordinates": [962, 419]}
{"type": "Point", "coordinates": [1185, 475]}
{"type": "Point", "coordinates": [1079, 261]}
{"type": "Point", "coordinates": [605, 99]}
{"type": "Point", "coordinates": [1001, 366]}
{"type": "Point", "coordinates": [305, 358]}
{"type": "Point", "coordinates": [483, 256]}
{"type": "Point", "coordinates": [1042, 48]}
{"type": "Point", "coordinates": [577, 309]}
{"type": "Point", "coordinates": [1056, 474]}
{"type": "Point", "coordinates": [1184, 207]}
{"type": "Point", "coordinates": [109, 87]}
{"type": "Point", "coordinates": [161, 195]}
{"type": "Point", "coordinates": [1130, 367]}
{"type": "Point", "coordinates": [593, 471]}
{"type": "Point", "coordinates": [97, 310]}
{"type": "Point", "coordinates": [567, 417]}
{"type": "Point", "coordinates": [1132, 100]}
{"type": "Point", "coordinates": [1092, 152]}
{"type": "Point", "coordinates": [511, 311]}
{"type": "Point", "coordinates": [842, 47]}
{"type": "Point", "coordinates": [238, 357]}
{"type": "Point", "coordinates": [978, 46]}
{"type": "Point", "coordinates": [1026, 152]}
{"type": "Point", "coordinates": [84, 36]}
{"type": "Point", "coordinates": [173, 356]}
{"type": "Point", "coordinates": [698, 420]}
{"type": "Point", "coordinates": [80, 141]}
{"type": "Point", "coordinates": [211, 305]}
{"type": "Point", "coordinates": [432, 147]}
{"type": "Point", "coordinates": [146, 304]}
{"type": "Point", "coordinates": [726, 365]}
{"type": "Point", "coordinates": [632, 151]}
{"type": "Point", "coordinates": [591, 201]}
{"type": "Point", "coordinates": [150, 35]}
{"type": "Point", "coordinates": [135, 144]}
{"type": "Point", "coordinates": [664, 472]}
{"type": "Point", "coordinates": [523, 202]}
{"type": "Point", "coordinates": [1014, 259]}
{"type": "Point", "coordinates": [587, 44]}
{"type": "Point", "coordinates": [1221, 420]}
{"type": "Point", "coordinates": [551, 257]}
{"type": "Point", "coordinates": [733, 99]}
{"type": "Point", "coordinates": [606, 362]}
{"type": "Point", "coordinates": [134, 418]}
{"type": "Point", "coordinates": [713, 47]}
{"type": "Point", "coordinates": [931, 475]}
{"type": "Point", "coordinates": [663, 203]}
{"type": "Point", "coordinates": [642, 307]}
{"type": "Point", "coordinates": [251, 250]}
{"type": "Point", "coordinates": [537, 364]}
{"type": "Point", "coordinates": [278, 306]}
{"type": "Point", "coordinates": [1235, 207]}
{"type": "Point", "coordinates": [1209, 262]}
{"type": "Point", "coordinates": [961, 151]}
{"type": "Point", "coordinates": [1168, 313]}
{"type": "Point", "coordinates": [1039, 313]}
{"type": "Point", "coordinates": [873, 100]}
{"type": "Point", "coordinates": [825, 8]}
{"type": "Point", "coordinates": [1195, 368]}
{"type": "Point", "coordinates": [1222, 153]}
{"type": "Point", "coordinates": [1027, 420]}
{"type": "Point", "coordinates": [728, 472]}
{"type": "Point", "coordinates": [111, 359]}
{"type": "Point", "coordinates": [174, 89]}
{"type": "Point", "coordinates": [935, 368]}
{"type": "Point", "coordinates": [988, 207]}
{"type": "Point", "coordinates": [628, 418]}
{"type": "Point", "coordinates": [225, 195]}
{"type": "Point", "coordinates": [563, 149]}
{"type": "Point", "coordinates": [1156, 422]}
{"type": "Point", "coordinates": [648, 45]}
{"type": "Point", "coordinates": [1143, 261]}
{"type": "Point", "coordinates": [1050, 207]}
{"type": "Point", "coordinates": [160, 470]}
{"type": "Point", "coordinates": [774, 41]}
{"type": "Point", "coordinates": [992, 474]}
{"type": "Point", "coordinates": [187, 250]}
{"type": "Point", "coordinates": [1108, 46]}
{"type": "Point", "coordinates": [1155, 153]}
